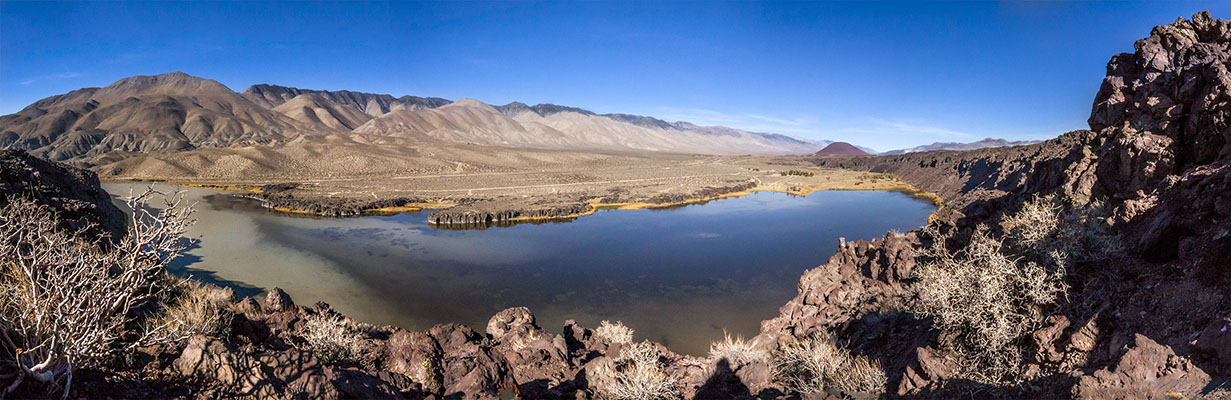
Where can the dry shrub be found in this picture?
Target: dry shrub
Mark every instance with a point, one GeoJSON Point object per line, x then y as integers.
{"type": "Point", "coordinates": [987, 296]}
{"type": "Point", "coordinates": [811, 364]}
{"type": "Point", "coordinates": [1043, 226]}
{"type": "Point", "coordinates": [66, 299]}
{"type": "Point", "coordinates": [638, 373]}
{"type": "Point", "coordinates": [736, 351]}
{"type": "Point", "coordinates": [194, 309]}
{"type": "Point", "coordinates": [614, 333]}
{"type": "Point", "coordinates": [332, 339]}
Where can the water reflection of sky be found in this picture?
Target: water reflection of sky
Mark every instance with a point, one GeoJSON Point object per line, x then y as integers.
{"type": "Point", "coordinates": [681, 275]}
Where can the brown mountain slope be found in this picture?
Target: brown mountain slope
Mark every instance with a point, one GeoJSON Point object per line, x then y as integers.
{"type": "Point", "coordinates": [316, 109]}
{"type": "Point", "coordinates": [271, 96]}
{"type": "Point", "coordinates": [840, 149]}
{"type": "Point", "coordinates": [172, 111]}
{"type": "Point", "coordinates": [557, 127]}
{"type": "Point", "coordinates": [466, 121]}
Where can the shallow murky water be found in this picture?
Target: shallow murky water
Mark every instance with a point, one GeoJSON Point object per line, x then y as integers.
{"type": "Point", "coordinates": [680, 276]}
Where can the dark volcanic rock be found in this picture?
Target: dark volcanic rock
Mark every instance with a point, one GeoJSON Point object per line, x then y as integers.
{"type": "Point", "coordinates": [281, 197]}
{"type": "Point", "coordinates": [1157, 157]}
{"type": "Point", "coordinates": [73, 193]}
{"type": "Point", "coordinates": [277, 300]}
{"type": "Point", "coordinates": [1147, 370]}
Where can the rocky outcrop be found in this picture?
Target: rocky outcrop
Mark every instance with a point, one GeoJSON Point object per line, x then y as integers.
{"type": "Point", "coordinates": [1147, 370]}
{"type": "Point", "coordinates": [281, 197]}
{"type": "Point", "coordinates": [73, 193]}
{"type": "Point", "coordinates": [1157, 158]}
{"type": "Point", "coordinates": [476, 214]}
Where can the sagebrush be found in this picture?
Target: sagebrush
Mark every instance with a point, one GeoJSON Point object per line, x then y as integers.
{"type": "Point", "coordinates": [736, 351]}
{"type": "Point", "coordinates": [613, 332]}
{"type": "Point", "coordinates": [637, 373]}
{"type": "Point", "coordinates": [988, 295]}
{"type": "Point", "coordinates": [814, 363]}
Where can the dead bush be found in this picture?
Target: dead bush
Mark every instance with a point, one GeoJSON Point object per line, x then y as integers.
{"type": "Point", "coordinates": [192, 309]}
{"type": "Point", "coordinates": [811, 364]}
{"type": "Point", "coordinates": [613, 333]}
{"type": "Point", "coordinates": [736, 351]}
{"type": "Point", "coordinates": [989, 294]}
{"type": "Point", "coordinates": [637, 373]}
{"type": "Point", "coordinates": [66, 300]}
{"type": "Point", "coordinates": [334, 340]}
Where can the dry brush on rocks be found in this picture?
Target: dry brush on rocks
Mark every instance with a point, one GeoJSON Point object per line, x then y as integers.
{"type": "Point", "coordinates": [67, 299]}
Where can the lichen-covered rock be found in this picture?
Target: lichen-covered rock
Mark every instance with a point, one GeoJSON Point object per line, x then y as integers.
{"type": "Point", "coordinates": [516, 320]}
{"type": "Point", "coordinates": [417, 356]}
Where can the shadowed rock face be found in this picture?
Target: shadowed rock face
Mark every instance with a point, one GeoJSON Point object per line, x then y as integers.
{"type": "Point", "coordinates": [72, 193]}
{"type": "Point", "coordinates": [1158, 155]}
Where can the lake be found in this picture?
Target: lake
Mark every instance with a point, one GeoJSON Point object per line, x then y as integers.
{"type": "Point", "coordinates": [681, 276]}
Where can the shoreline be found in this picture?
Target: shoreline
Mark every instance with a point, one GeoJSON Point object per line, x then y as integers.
{"type": "Point", "coordinates": [592, 206]}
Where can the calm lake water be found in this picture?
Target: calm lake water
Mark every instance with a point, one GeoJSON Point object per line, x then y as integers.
{"type": "Point", "coordinates": [680, 276]}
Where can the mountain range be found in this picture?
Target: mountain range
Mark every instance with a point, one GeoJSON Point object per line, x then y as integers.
{"type": "Point", "coordinates": [982, 144]}
{"type": "Point", "coordinates": [178, 112]}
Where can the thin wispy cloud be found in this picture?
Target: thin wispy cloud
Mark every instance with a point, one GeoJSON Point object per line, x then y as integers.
{"type": "Point", "coordinates": [804, 126]}
{"type": "Point", "coordinates": [901, 128]}
{"type": "Point", "coordinates": [52, 77]}
{"type": "Point", "coordinates": [868, 131]}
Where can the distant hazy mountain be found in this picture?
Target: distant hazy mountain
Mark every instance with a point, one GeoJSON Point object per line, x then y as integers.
{"type": "Point", "coordinates": [842, 149]}
{"type": "Point", "coordinates": [176, 111]}
{"type": "Point", "coordinates": [985, 143]}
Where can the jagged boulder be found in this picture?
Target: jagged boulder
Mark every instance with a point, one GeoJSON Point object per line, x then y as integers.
{"type": "Point", "coordinates": [277, 301]}
{"type": "Point", "coordinates": [862, 276]}
{"type": "Point", "coordinates": [418, 356]}
{"type": "Point", "coordinates": [469, 366]}
{"type": "Point", "coordinates": [1168, 100]}
{"type": "Point", "coordinates": [1148, 370]}
{"type": "Point", "coordinates": [216, 361]}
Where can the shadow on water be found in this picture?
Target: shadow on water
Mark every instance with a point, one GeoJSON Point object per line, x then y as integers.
{"type": "Point", "coordinates": [182, 267]}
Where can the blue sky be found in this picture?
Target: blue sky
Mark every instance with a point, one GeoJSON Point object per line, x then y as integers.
{"type": "Point", "coordinates": [880, 74]}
